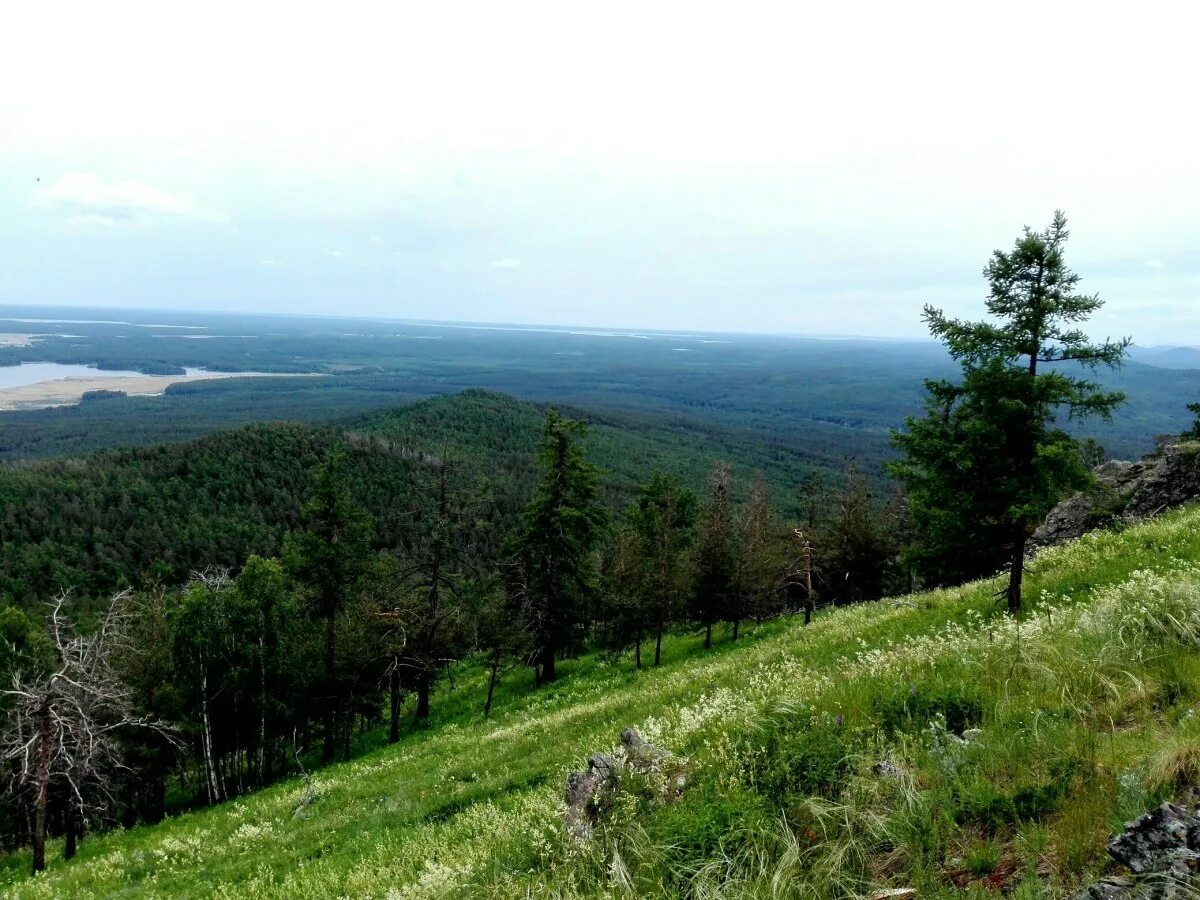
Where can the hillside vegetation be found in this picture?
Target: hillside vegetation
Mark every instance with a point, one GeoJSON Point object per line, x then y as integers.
{"type": "Point", "coordinates": [821, 761]}
{"type": "Point", "coordinates": [130, 517]}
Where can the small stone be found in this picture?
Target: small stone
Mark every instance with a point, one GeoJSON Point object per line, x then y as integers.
{"type": "Point", "coordinates": [1111, 888]}
{"type": "Point", "coordinates": [905, 893]}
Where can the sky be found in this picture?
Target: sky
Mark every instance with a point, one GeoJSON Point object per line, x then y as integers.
{"type": "Point", "coordinates": [795, 167]}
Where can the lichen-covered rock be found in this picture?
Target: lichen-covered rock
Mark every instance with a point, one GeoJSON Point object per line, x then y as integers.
{"type": "Point", "coordinates": [1152, 842]}
{"type": "Point", "coordinates": [591, 793]}
{"type": "Point", "coordinates": [1127, 491]}
{"type": "Point", "coordinates": [1162, 849]}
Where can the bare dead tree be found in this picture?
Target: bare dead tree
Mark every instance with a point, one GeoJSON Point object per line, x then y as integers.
{"type": "Point", "coordinates": [62, 733]}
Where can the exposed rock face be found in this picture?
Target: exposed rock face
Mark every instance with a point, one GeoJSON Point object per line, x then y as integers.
{"type": "Point", "coordinates": [1162, 849]}
{"type": "Point", "coordinates": [592, 792]}
{"type": "Point", "coordinates": [1127, 491]}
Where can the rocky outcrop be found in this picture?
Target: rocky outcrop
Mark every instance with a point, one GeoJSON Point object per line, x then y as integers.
{"type": "Point", "coordinates": [591, 794]}
{"type": "Point", "coordinates": [1127, 491]}
{"type": "Point", "coordinates": [1162, 850]}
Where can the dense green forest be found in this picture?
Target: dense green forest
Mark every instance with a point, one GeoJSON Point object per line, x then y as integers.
{"type": "Point", "coordinates": [833, 398]}
{"type": "Point", "coordinates": [130, 517]}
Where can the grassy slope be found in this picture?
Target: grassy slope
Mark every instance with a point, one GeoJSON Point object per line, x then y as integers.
{"type": "Point", "coordinates": [1086, 716]}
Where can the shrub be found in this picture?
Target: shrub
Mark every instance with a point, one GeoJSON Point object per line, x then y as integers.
{"type": "Point", "coordinates": [806, 756]}
{"type": "Point", "coordinates": [710, 819]}
{"type": "Point", "coordinates": [911, 709]}
{"type": "Point", "coordinates": [983, 802]}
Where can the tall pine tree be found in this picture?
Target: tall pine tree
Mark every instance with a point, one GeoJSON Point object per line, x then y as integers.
{"type": "Point", "coordinates": [555, 544]}
{"type": "Point", "coordinates": [716, 565]}
{"type": "Point", "coordinates": [986, 464]}
{"type": "Point", "coordinates": [328, 556]}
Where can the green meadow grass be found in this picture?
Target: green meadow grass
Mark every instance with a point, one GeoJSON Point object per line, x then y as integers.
{"type": "Point", "coordinates": [1085, 710]}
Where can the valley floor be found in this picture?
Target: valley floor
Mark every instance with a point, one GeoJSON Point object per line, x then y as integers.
{"type": "Point", "coordinates": [825, 761]}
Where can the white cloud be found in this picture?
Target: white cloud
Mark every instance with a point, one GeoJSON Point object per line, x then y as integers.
{"type": "Point", "coordinates": [1154, 264]}
{"type": "Point", "coordinates": [89, 220]}
{"type": "Point", "coordinates": [274, 263]}
{"type": "Point", "coordinates": [336, 254]}
{"type": "Point", "coordinates": [505, 263]}
{"type": "Point", "coordinates": [87, 197]}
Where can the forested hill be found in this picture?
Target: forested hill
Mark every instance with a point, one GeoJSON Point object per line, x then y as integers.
{"type": "Point", "coordinates": [134, 516]}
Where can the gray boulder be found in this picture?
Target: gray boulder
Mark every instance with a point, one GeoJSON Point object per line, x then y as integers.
{"type": "Point", "coordinates": [1162, 849]}
{"type": "Point", "coordinates": [590, 793]}
{"type": "Point", "coordinates": [1155, 841]}
{"type": "Point", "coordinates": [1127, 491]}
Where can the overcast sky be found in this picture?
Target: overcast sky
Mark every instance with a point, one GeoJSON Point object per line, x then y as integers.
{"type": "Point", "coordinates": [814, 168]}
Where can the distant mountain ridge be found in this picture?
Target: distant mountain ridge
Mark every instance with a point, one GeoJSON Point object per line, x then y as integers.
{"type": "Point", "coordinates": [1182, 357]}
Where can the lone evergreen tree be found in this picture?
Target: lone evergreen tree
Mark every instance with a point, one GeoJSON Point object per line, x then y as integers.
{"type": "Point", "coordinates": [986, 463]}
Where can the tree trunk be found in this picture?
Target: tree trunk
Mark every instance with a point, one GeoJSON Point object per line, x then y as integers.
{"type": "Point", "coordinates": [423, 685]}
{"type": "Point", "coordinates": [658, 645]}
{"type": "Point", "coordinates": [492, 679]}
{"type": "Point", "coordinates": [348, 731]}
{"type": "Point", "coordinates": [42, 780]}
{"type": "Point", "coordinates": [708, 635]}
{"type": "Point", "coordinates": [71, 841]}
{"type": "Point", "coordinates": [264, 762]}
{"type": "Point", "coordinates": [39, 832]}
{"type": "Point", "coordinates": [1016, 571]}
{"type": "Point", "coordinates": [330, 745]}
{"type": "Point", "coordinates": [548, 673]}
{"type": "Point", "coordinates": [210, 764]}
{"type": "Point", "coordinates": [156, 807]}
{"type": "Point", "coordinates": [394, 692]}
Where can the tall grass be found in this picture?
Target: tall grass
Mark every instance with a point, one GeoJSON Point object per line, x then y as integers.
{"type": "Point", "coordinates": [823, 762]}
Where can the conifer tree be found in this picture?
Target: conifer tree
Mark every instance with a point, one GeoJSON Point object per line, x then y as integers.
{"type": "Point", "coordinates": [440, 554]}
{"type": "Point", "coordinates": [763, 558]}
{"type": "Point", "coordinates": [624, 616]}
{"type": "Point", "coordinates": [556, 542]}
{"type": "Point", "coordinates": [858, 547]}
{"type": "Point", "coordinates": [716, 566]}
{"type": "Point", "coordinates": [986, 463]}
{"type": "Point", "coordinates": [663, 518]}
{"type": "Point", "coordinates": [329, 555]}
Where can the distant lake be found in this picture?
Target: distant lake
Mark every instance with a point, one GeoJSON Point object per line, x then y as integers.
{"type": "Point", "coordinates": [35, 373]}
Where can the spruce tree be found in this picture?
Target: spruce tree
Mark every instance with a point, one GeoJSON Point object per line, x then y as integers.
{"type": "Point", "coordinates": [663, 518]}
{"type": "Point", "coordinates": [328, 556]}
{"type": "Point", "coordinates": [716, 565]}
{"type": "Point", "coordinates": [556, 543]}
{"type": "Point", "coordinates": [986, 463]}
{"type": "Point", "coordinates": [441, 551]}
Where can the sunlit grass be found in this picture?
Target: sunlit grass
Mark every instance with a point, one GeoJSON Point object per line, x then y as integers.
{"type": "Point", "coordinates": [1085, 715]}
